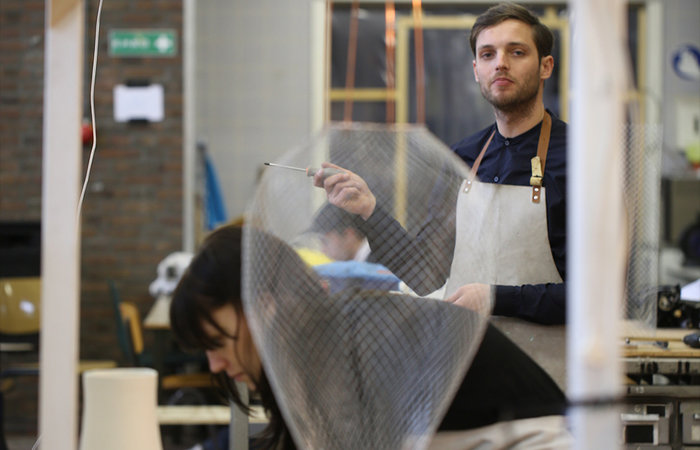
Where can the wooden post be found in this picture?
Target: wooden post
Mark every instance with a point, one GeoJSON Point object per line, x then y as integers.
{"type": "Point", "coordinates": [189, 127]}
{"type": "Point", "coordinates": [60, 243]}
{"type": "Point", "coordinates": [596, 246]}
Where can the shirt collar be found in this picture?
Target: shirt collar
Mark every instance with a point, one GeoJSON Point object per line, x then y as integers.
{"type": "Point", "coordinates": [532, 133]}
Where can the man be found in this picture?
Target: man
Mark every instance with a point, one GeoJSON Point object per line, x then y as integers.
{"type": "Point", "coordinates": [512, 60]}
{"type": "Point", "coordinates": [341, 237]}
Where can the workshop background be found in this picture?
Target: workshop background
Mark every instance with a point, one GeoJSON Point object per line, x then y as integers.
{"type": "Point", "coordinates": [255, 100]}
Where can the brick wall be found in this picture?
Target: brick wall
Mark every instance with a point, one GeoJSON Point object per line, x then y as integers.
{"type": "Point", "coordinates": [21, 97]}
{"type": "Point", "coordinates": [132, 215]}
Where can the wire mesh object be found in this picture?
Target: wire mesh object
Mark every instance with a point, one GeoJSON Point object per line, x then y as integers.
{"type": "Point", "coordinates": [360, 367]}
{"type": "Point", "coordinates": [642, 191]}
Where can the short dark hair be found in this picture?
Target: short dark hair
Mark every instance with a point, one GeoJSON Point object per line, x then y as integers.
{"type": "Point", "coordinates": [542, 35]}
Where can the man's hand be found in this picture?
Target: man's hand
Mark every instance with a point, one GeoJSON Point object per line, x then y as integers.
{"type": "Point", "coordinates": [347, 190]}
{"type": "Point", "coordinates": [474, 296]}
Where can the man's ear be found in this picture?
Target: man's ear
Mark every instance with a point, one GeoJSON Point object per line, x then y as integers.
{"type": "Point", "coordinates": [546, 67]}
{"type": "Point", "coordinates": [476, 77]}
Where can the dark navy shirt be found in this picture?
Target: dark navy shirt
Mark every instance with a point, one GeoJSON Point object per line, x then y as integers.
{"type": "Point", "coordinates": [507, 161]}
{"type": "Point", "coordinates": [423, 259]}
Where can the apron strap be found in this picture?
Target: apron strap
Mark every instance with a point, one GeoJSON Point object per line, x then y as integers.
{"type": "Point", "coordinates": [537, 162]}
{"type": "Point", "coordinates": [475, 167]}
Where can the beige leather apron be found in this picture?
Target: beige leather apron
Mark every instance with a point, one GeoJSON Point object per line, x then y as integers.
{"type": "Point", "coordinates": [502, 239]}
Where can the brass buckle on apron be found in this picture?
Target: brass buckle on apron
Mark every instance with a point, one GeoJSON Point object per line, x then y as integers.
{"type": "Point", "coordinates": [536, 178]}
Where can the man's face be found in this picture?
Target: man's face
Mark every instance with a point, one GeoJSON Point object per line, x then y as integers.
{"type": "Point", "coordinates": [507, 66]}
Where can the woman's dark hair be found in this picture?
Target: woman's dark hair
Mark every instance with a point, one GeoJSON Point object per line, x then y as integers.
{"type": "Point", "coordinates": [543, 37]}
{"type": "Point", "coordinates": [212, 281]}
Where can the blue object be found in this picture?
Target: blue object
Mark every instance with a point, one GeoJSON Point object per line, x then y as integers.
{"type": "Point", "coordinates": [343, 275]}
{"type": "Point", "coordinates": [214, 208]}
{"type": "Point", "coordinates": [686, 62]}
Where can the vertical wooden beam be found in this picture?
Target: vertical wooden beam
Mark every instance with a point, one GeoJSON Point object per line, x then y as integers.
{"type": "Point", "coordinates": [60, 244]}
{"type": "Point", "coordinates": [189, 126]}
{"type": "Point", "coordinates": [402, 59]}
{"type": "Point", "coordinates": [319, 65]}
{"type": "Point", "coordinates": [238, 427]}
{"type": "Point", "coordinates": [596, 245]}
{"type": "Point", "coordinates": [653, 69]}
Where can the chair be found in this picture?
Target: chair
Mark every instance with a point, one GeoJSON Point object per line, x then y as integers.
{"type": "Point", "coordinates": [20, 324]}
{"type": "Point", "coordinates": [131, 319]}
{"type": "Point", "coordinates": [183, 388]}
{"type": "Point", "coordinates": [132, 322]}
{"type": "Point", "coordinates": [131, 342]}
{"type": "Point", "coordinates": [19, 330]}
{"type": "Point", "coordinates": [130, 335]}
{"type": "Point", "coordinates": [20, 312]}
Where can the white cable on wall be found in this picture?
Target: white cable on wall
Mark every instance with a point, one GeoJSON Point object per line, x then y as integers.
{"type": "Point", "coordinates": [92, 109]}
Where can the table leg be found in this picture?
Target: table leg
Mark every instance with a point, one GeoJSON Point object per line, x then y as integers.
{"type": "Point", "coordinates": [159, 350]}
{"type": "Point", "coordinates": [238, 430]}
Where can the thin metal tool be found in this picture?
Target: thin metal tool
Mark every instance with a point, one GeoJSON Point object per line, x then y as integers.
{"type": "Point", "coordinates": [286, 167]}
{"type": "Point", "coordinates": [309, 171]}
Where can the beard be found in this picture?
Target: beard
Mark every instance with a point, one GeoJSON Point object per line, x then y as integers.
{"type": "Point", "coordinates": [519, 101]}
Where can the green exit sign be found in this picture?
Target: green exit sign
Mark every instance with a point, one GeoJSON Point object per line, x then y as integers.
{"type": "Point", "coordinates": [142, 43]}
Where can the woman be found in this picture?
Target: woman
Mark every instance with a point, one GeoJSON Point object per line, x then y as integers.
{"type": "Point", "coordinates": [207, 313]}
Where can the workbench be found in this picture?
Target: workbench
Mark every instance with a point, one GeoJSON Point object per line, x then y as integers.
{"type": "Point", "coordinates": [663, 391]}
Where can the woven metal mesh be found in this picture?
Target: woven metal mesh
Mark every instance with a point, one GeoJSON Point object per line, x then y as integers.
{"type": "Point", "coordinates": [359, 367]}
{"type": "Point", "coordinates": [642, 194]}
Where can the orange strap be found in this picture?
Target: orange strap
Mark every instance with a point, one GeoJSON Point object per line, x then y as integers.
{"type": "Point", "coordinates": [420, 66]}
{"type": "Point", "coordinates": [539, 160]}
{"type": "Point", "coordinates": [390, 40]}
{"type": "Point", "coordinates": [352, 57]}
{"type": "Point", "coordinates": [477, 163]}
